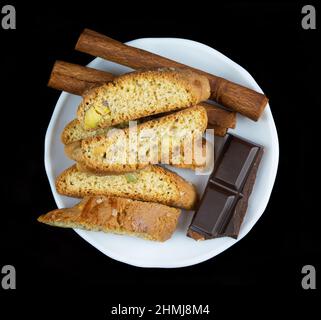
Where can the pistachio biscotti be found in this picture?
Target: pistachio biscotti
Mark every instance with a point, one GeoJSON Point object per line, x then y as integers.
{"type": "Point", "coordinates": [171, 139]}
{"type": "Point", "coordinates": [74, 131]}
{"type": "Point", "coordinates": [152, 221]}
{"type": "Point", "coordinates": [141, 93]}
{"type": "Point", "coordinates": [153, 183]}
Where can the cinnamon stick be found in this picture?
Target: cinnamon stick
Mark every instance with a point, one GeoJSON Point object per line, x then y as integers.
{"type": "Point", "coordinates": [218, 130]}
{"type": "Point", "coordinates": [77, 80]}
{"type": "Point", "coordinates": [229, 94]}
{"type": "Point", "coordinates": [219, 117]}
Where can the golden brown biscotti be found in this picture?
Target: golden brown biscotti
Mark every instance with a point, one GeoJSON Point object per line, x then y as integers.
{"type": "Point", "coordinates": [74, 131]}
{"type": "Point", "coordinates": [73, 151]}
{"type": "Point", "coordinates": [152, 221]}
{"type": "Point", "coordinates": [139, 94]}
{"type": "Point", "coordinates": [154, 184]}
{"type": "Point", "coordinates": [171, 139]}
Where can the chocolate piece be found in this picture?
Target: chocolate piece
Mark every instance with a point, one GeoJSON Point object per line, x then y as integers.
{"type": "Point", "coordinates": [224, 203]}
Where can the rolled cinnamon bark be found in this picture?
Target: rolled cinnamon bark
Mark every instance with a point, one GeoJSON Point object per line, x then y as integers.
{"type": "Point", "coordinates": [229, 94]}
{"type": "Point", "coordinates": [78, 80]}
{"type": "Point", "coordinates": [218, 130]}
{"type": "Point", "coordinates": [218, 116]}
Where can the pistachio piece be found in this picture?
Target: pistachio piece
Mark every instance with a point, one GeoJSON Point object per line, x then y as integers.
{"type": "Point", "coordinates": [104, 110]}
{"type": "Point", "coordinates": [92, 118]}
{"type": "Point", "coordinates": [130, 177]}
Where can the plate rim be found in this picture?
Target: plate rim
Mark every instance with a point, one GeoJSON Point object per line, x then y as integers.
{"type": "Point", "coordinates": [186, 262]}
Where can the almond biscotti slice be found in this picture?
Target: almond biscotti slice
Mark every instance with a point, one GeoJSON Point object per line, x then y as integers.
{"type": "Point", "coordinates": [154, 184]}
{"type": "Point", "coordinates": [139, 94]}
{"type": "Point", "coordinates": [152, 221]}
{"type": "Point", "coordinates": [170, 139]}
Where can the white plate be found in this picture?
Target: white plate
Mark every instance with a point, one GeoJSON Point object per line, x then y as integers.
{"type": "Point", "coordinates": [180, 250]}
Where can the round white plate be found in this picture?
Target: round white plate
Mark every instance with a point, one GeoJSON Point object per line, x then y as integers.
{"type": "Point", "coordinates": [180, 250]}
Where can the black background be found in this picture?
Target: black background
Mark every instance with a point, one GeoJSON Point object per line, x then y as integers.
{"type": "Point", "coordinates": [60, 274]}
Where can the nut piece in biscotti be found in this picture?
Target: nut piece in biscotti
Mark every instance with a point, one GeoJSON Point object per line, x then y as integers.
{"type": "Point", "coordinates": [169, 139]}
{"type": "Point", "coordinates": [140, 94]}
{"type": "Point", "coordinates": [154, 184]}
{"type": "Point", "coordinates": [152, 221]}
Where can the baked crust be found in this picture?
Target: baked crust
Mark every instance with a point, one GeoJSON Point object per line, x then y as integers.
{"type": "Point", "coordinates": [154, 184]}
{"type": "Point", "coordinates": [193, 86]}
{"type": "Point", "coordinates": [98, 152]}
{"type": "Point", "coordinates": [148, 220]}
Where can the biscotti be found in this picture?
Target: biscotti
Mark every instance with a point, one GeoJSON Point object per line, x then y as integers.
{"type": "Point", "coordinates": [153, 183]}
{"type": "Point", "coordinates": [148, 220]}
{"type": "Point", "coordinates": [74, 131]}
{"type": "Point", "coordinates": [139, 94]}
{"type": "Point", "coordinates": [171, 139]}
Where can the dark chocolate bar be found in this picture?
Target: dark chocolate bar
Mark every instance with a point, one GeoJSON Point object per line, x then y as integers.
{"type": "Point", "coordinates": [223, 206]}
